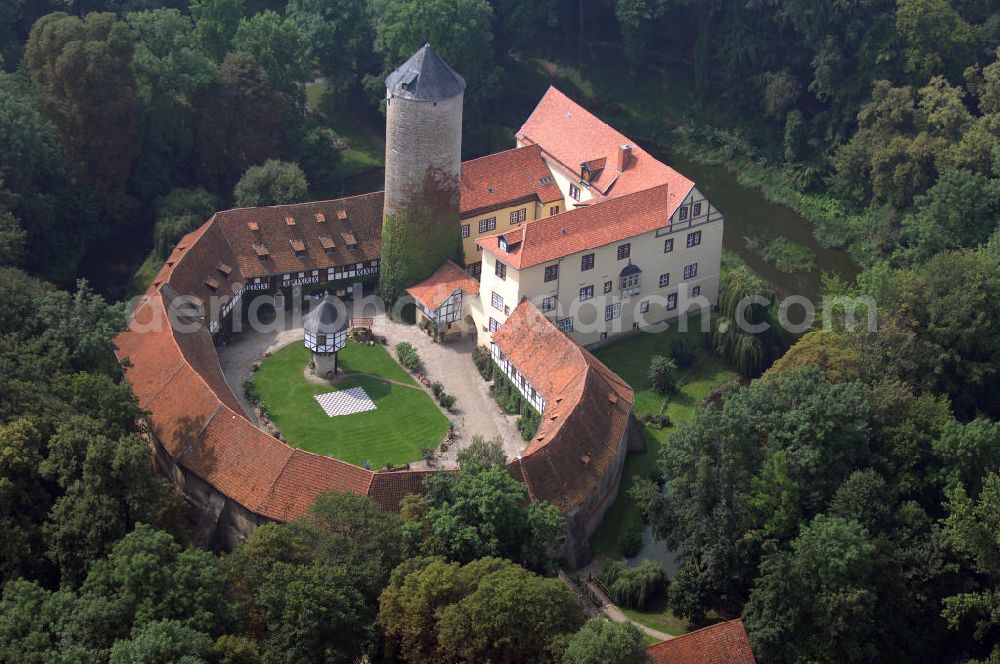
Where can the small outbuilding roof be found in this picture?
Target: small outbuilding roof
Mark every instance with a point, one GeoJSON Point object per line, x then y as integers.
{"type": "Point", "coordinates": [435, 290]}
{"type": "Point", "coordinates": [325, 318]}
{"type": "Point", "coordinates": [425, 77]}
{"type": "Point", "coordinates": [722, 643]}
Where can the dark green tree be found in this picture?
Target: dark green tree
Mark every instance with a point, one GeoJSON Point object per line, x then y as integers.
{"type": "Point", "coordinates": [601, 641]}
{"type": "Point", "coordinates": [272, 183]}
{"type": "Point", "coordinates": [230, 140]}
{"type": "Point", "coordinates": [215, 24]}
{"type": "Point", "coordinates": [83, 70]}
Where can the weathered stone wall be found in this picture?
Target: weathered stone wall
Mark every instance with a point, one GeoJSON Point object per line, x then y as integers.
{"type": "Point", "coordinates": [423, 164]}
{"type": "Point", "coordinates": [222, 523]}
{"type": "Point", "coordinates": [582, 522]}
{"type": "Point", "coordinates": [420, 135]}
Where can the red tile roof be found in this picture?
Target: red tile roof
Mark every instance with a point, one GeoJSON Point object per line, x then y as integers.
{"type": "Point", "coordinates": [297, 247]}
{"type": "Point", "coordinates": [433, 291]}
{"type": "Point", "coordinates": [571, 135]}
{"type": "Point", "coordinates": [723, 643]}
{"type": "Point", "coordinates": [589, 227]}
{"type": "Point", "coordinates": [506, 178]}
{"type": "Point", "coordinates": [587, 408]}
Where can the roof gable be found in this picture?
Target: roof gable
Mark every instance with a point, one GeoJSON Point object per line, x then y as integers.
{"type": "Point", "coordinates": [506, 178]}
{"type": "Point", "coordinates": [576, 138]}
{"type": "Point", "coordinates": [588, 227]}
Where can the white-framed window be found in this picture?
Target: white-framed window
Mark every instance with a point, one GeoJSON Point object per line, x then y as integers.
{"type": "Point", "coordinates": [554, 210]}
{"type": "Point", "coordinates": [696, 210]}
{"type": "Point", "coordinates": [465, 230]}
{"type": "Point", "coordinates": [500, 271]}
{"type": "Point", "coordinates": [644, 307]}
{"type": "Point", "coordinates": [551, 272]}
{"type": "Point", "coordinates": [691, 271]}
{"type": "Point", "coordinates": [630, 285]}
{"type": "Point", "coordinates": [607, 287]}
{"type": "Point", "coordinates": [586, 293]}
{"type": "Point", "coordinates": [664, 279]}
{"type": "Point", "coordinates": [586, 262]}
{"type": "Point", "coordinates": [668, 245]}
{"type": "Point", "coordinates": [682, 213]}
{"type": "Point", "coordinates": [548, 303]}
{"type": "Point", "coordinates": [565, 324]}
{"type": "Point", "coordinates": [613, 311]}
{"type": "Point", "coordinates": [494, 324]}
{"type": "Point", "coordinates": [624, 251]}
{"type": "Point", "coordinates": [574, 192]}
{"type": "Point", "coordinates": [497, 301]}
{"type": "Point", "coordinates": [694, 239]}
{"type": "Point", "coordinates": [474, 269]}
{"type": "Point", "coordinates": [696, 291]}
{"type": "Point", "coordinates": [671, 301]}
{"type": "Point", "coordinates": [517, 216]}
{"type": "Point", "coordinates": [487, 225]}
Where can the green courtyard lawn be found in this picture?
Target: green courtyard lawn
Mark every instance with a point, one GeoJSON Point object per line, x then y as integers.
{"type": "Point", "coordinates": [629, 358]}
{"type": "Point", "coordinates": [405, 420]}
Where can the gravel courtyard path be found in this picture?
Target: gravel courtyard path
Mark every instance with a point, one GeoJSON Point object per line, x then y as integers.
{"type": "Point", "coordinates": [475, 412]}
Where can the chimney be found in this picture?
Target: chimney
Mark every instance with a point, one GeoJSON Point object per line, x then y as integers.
{"type": "Point", "coordinates": [624, 157]}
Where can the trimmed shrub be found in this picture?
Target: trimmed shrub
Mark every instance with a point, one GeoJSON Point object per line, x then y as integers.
{"type": "Point", "coordinates": [407, 355]}
{"type": "Point", "coordinates": [437, 388]}
{"type": "Point", "coordinates": [483, 361]}
{"type": "Point", "coordinates": [528, 423]}
{"type": "Point", "coordinates": [446, 400]}
{"type": "Point", "coordinates": [683, 352]}
{"type": "Point", "coordinates": [250, 390]}
{"type": "Point", "coordinates": [662, 375]}
{"type": "Point", "coordinates": [655, 420]}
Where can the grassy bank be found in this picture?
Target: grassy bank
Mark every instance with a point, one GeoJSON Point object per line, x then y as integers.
{"type": "Point", "coordinates": [629, 358]}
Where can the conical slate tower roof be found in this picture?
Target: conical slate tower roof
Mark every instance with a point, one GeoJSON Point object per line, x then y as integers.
{"type": "Point", "coordinates": [425, 77]}
{"type": "Point", "coordinates": [324, 318]}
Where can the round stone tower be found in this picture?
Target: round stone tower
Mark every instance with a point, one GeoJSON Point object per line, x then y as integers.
{"type": "Point", "coordinates": [423, 161]}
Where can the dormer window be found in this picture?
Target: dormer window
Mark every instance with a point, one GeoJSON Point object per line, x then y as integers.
{"type": "Point", "coordinates": [261, 250]}
{"type": "Point", "coordinates": [298, 246]}
{"type": "Point", "coordinates": [502, 242]}
{"type": "Point", "coordinates": [290, 221]}
{"type": "Point", "coordinates": [223, 268]}
{"type": "Point", "coordinates": [320, 218]}
{"type": "Point", "coordinates": [574, 192]}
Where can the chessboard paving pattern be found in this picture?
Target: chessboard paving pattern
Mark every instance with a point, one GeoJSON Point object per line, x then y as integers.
{"type": "Point", "coordinates": [345, 402]}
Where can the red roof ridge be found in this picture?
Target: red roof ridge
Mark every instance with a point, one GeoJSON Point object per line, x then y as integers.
{"type": "Point", "coordinates": [721, 643]}
{"type": "Point", "coordinates": [607, 221]}
{"type": "Point", "coordinates": [433, 291]}
{"type": "Point", "coordinates": [300, 205]}
{"type": "Point", "coordinates": [584, 422]}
